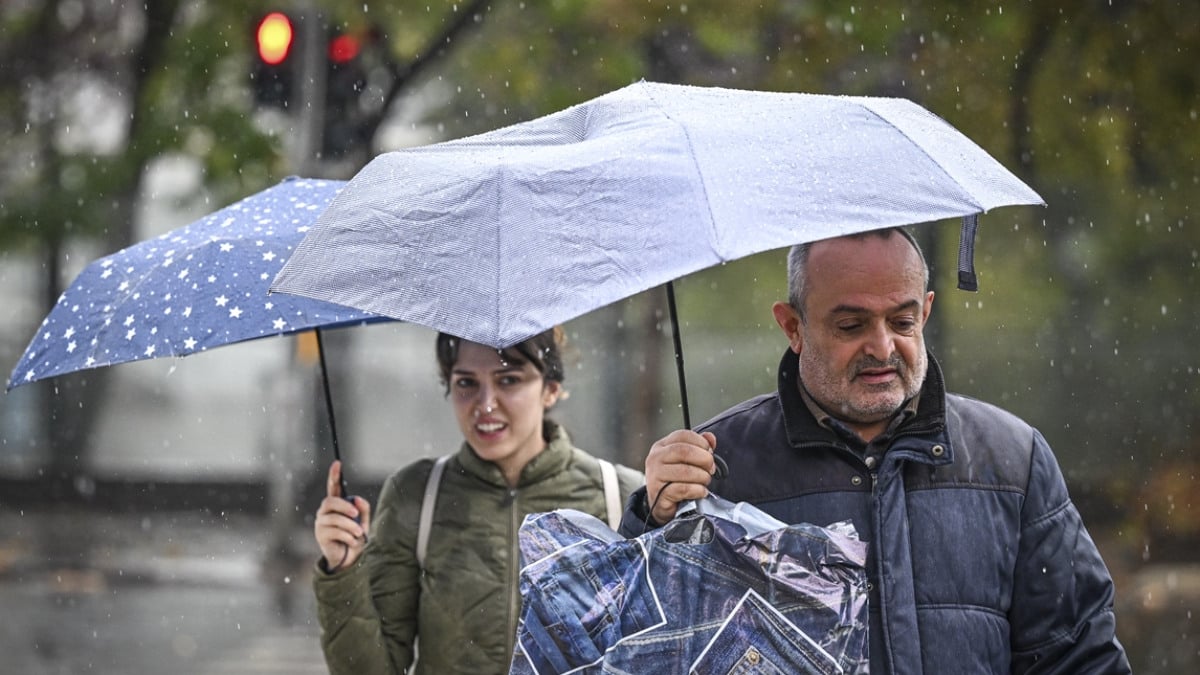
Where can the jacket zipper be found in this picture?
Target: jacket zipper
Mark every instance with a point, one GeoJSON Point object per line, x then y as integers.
{"type": "Point", "coordinates": [514, 593]}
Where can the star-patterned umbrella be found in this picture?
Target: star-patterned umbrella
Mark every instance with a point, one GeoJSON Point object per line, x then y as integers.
{"type": "Point", "coordinates": [194, 288]}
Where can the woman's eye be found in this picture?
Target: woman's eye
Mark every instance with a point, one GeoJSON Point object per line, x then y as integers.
{"type": "Point", "coordinates": [509, 380]}
{"type": "Point", "coordinates": [464, 383]}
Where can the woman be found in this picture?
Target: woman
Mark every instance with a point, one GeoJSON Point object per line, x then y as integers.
{"type": "Point", "coordinates": [376, 602]}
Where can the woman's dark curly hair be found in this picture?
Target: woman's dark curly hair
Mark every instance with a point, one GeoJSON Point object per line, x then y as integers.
{"type": "Point", "coordinates": [544, 351]}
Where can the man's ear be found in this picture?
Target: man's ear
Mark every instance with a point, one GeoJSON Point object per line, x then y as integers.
{"type": "Point", "coordinates": [789, 322]}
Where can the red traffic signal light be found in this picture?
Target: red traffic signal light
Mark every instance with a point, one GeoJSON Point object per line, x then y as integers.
{"type": "Point", "coordinates": [345, 80]}
{"type": "Point", "coordinates": [274, 37]}
{"type": "Point", "coordinates": [343, 48]}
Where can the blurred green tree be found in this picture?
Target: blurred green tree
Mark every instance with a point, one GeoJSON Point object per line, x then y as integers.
{"type": "Point", "coordinates": [1085, 318]}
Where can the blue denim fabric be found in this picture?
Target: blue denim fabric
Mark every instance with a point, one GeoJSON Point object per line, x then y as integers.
{"type": "Point", "coordinates": [757, 638]}
{"type": "Point", "coordinates": [698, 595]}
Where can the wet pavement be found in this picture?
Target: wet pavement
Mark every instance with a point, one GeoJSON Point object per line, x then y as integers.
{"type": "Point", "coordinates": [187, 593]}
{"type": "Point", "coordinates": [198, 592]}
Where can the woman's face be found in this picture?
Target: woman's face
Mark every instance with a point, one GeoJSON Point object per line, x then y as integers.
{"type": "Point", "coordinates": [500, 406]}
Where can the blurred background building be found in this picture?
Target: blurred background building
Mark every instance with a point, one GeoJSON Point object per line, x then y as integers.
{"type": "Point", "coordinates": [196, 476]}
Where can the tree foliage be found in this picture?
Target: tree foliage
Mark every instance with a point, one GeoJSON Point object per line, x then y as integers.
{"type": "Point", "coordinates": [1085, 319]}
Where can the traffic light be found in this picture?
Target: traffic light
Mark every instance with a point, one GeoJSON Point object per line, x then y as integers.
{"type": "Point", "coordinates": [282, 75]}
{"type": "Point", "coordinates": [274, 68]}
{"type": "Point", "coordinates": [345, 81]}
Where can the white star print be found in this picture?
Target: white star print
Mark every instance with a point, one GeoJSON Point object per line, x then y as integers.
{"type": "Point", "coordinates": [88, 323]}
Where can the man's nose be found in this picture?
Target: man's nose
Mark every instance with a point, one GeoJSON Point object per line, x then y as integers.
{"type": "Point", "coordinates": [880, 343]}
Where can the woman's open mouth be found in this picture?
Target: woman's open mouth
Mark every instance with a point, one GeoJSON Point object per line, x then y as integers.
{"type": "Point", "coordinates": [490, 427]}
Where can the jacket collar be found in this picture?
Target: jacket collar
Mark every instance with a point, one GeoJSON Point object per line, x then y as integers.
{"type": "Point", "coordinates": [550, 461]}
{"type": "Point", "coordinates": [802, 426]}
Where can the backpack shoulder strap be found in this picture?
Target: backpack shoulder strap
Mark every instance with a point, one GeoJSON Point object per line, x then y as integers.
{"type": "Point", "coordinates": [427, 504]}
{"type": "Point", "coordinates": [612, 492]}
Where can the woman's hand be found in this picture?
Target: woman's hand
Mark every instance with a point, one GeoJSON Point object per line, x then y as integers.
{"type": "Point", "coordinates": [341, 527]}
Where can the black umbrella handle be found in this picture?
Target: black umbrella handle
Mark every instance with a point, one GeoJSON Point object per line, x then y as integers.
{"type": "Point", "coordinates": [683, 399]}
{"type": "Point", "coordinates": [722, 468]}
{"type": "Point", "coordinates": [337, 454]}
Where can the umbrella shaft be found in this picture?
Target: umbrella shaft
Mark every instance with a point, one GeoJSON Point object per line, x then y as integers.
{"type": "Point", "coordinates": [337, 454]}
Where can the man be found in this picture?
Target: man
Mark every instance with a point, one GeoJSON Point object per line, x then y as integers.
{"type": "Point", "coordinates": [978, 562]}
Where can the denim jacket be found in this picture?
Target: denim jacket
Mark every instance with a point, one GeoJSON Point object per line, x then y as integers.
{"type": "Point", "coordinates": [978, 562]}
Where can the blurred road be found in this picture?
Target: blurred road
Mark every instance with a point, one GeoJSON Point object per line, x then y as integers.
{"type": "Point", "coordinates": [107, 591]}
{"type": "Point", "coordinates": [186, 593]}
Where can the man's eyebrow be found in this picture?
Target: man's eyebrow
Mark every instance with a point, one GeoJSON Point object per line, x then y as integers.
{"type": "Point", "coordinates": [855, 309]}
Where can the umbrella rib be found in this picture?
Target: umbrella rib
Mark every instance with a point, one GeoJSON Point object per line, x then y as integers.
{"type": "Point", "coordinates": [695, 165]}
{"type": "Point", "coordinates": [498, 258]}
{"type": "Point", "coordinates": [902, 132]}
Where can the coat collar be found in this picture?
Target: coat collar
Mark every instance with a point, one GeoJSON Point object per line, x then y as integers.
{"type": "Point", "coordinates": [802, 426]}
{"type": "Point", "coordinates": [550, 461]}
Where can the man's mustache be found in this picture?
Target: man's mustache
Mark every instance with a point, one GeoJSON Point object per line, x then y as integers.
{"type": "Point", "coordinates": [894, 362]}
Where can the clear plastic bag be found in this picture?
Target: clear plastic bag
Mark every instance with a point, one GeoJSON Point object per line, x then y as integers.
{"type": "Point", "coordinates": [723, 587]}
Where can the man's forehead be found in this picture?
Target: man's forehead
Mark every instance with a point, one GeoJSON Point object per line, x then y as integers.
{"type": "Point", "coordinates": [873, 258]}
{"type": "Point", "coordinates": [881, 307]}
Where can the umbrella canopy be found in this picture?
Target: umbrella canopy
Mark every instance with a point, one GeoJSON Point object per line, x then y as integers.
{"type": "Point", "coordinates": [499, 236]}
{"type": "Point", "coordinates": [194, 288]}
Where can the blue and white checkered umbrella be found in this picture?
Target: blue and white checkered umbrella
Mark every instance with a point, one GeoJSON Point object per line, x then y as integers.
{"type": "Point", "coordinates": [200, 286]}
{"type": "Point", "coordinates": [500, 236]}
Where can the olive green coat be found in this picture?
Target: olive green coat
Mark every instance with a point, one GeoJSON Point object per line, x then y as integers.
{"type": "Point", "coordinates": [466, 605]}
